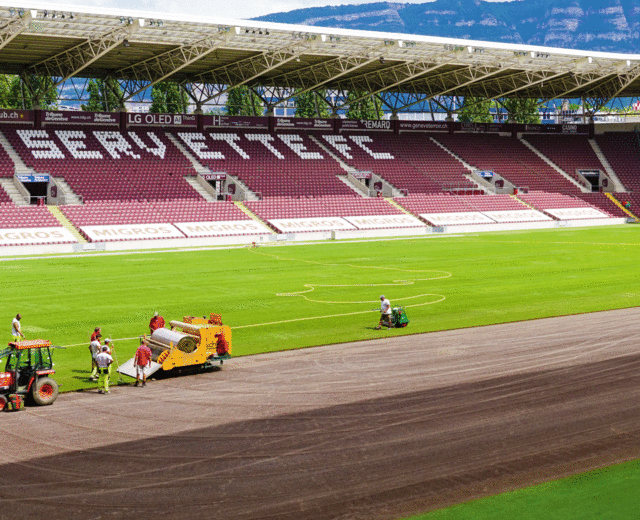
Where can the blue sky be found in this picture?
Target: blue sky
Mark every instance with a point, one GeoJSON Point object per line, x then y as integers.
{"type": "Point", "coordinates": [240, 9]}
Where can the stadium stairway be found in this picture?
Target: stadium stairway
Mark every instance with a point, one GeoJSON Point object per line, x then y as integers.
{"type": "Point", "coordinates": [398, 206]}
{"type": "Point", "coordinates": [66, 223]}
{"type": "Point", "coordinates": [253, 216]}
{"type": "Point", "coordinates": [607, 166]}
{"type": "Point", "coordinates": [199, 168]}
{"type": "Point", "coordinates": [619, 204]}
{"type": "Point", "coordinates": [553, 165]}
{"type": "Point", "coordinates": [387, 186]}
{"type": "Point", "coordinates": [193, 182]}
{"type": "Point", "coordinates": [347, 168]}
{"type": "Point", "coordinates": [452, 154]}
{"type": "Point", "coordinates": [8, 185]}
{"type": "Point", "coordinates": [70, 195]}
{"type": "Point", "coordinates": [515, 197]}
{"type": "Point", "coordinates": [19, 164]}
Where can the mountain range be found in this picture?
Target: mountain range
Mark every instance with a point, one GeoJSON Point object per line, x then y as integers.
{"type": "Point", "coordinates": [595, 25]}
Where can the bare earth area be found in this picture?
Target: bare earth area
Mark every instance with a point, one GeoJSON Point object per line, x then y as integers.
{"type": "Point", "coordinates": [367, 430]}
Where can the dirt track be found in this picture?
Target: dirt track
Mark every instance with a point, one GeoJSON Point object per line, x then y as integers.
{"type": "Point", "coordinates": [369, 430]}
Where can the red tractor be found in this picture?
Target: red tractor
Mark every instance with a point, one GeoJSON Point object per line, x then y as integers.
{"type": "Point", "coordinates": [26, 374]}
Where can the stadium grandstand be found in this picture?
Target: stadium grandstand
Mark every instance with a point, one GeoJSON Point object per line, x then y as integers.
{"type": "Point", "coordinates": [75, 180]}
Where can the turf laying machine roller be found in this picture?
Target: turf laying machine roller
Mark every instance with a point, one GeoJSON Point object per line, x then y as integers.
{"type": "Point", "coordinates": [192, 342]}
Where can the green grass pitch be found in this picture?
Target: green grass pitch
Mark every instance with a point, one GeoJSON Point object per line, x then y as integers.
{"type": "Point", "coordinates": [294, 296]}
{"type": "Point", "coordinates": [286, 297]}
{"type": "Point", "coordinates": [609, 492]}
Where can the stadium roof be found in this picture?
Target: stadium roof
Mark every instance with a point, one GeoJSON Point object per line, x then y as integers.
{"type": "Point", "coordinates": [212, 55]}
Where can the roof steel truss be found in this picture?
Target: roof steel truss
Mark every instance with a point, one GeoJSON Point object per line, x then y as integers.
{"type": "Point", "coordinates": [16, 25]}
{"type": "Point", "coordinates": [62, 44]}
{"type": "Point", "coordinates": [142, 75]}
{"type": "Point", "coordinates": [214, 83]}
{"type": "Point", "coordinates": [71, 62]}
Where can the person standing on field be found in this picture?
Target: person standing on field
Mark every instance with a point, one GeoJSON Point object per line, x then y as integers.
{"type": "Point", "coordinates": [16, 330]}
{"type": "Point", "coordinates": [142, 361]}
{"type": "Point", "coordinates": [157, 322]}
{"type": "Point", "coordinates": [95, 348]}
{"type": "Point", "coordinates": [104, 361]}
{"type": "Point", "coordinates": [385, 313]}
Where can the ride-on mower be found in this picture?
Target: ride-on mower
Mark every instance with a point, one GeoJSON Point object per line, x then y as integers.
{"type": "Point", "coordinates": [399, 317]}
{"type": "Point", "coordinates": [27, 374]}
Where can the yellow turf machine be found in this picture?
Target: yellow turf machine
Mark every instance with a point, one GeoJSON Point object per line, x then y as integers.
{"type": "Point", "coordinates": [192, 342]}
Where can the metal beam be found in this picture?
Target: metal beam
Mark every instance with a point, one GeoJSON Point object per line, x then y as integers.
{"type": "Point", "coordinates": [315, 76]}
{"type": "Point", "coordinates": [15, 26]}
{"type": "Point", "coordinates": [143, 75]}
{"type": "Point", "coordinates": [218, 81]}
{"type": "Point", "coordinates": [454, 81]}
{"type": "Point", "coordinates": [398, 75]}
{"type": "Point", "coordinates": [395, 76]}
{"type": "Point", "coordinates": [70, 62]}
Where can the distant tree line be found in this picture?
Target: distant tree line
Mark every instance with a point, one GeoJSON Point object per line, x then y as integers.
{"type": "Point", "coordinates": [105, 95]}
{"type": "Point", "coordinates": [479, 110]}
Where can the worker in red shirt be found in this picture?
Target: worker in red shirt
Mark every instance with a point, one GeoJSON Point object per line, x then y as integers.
{"type": "Point", "coordinates": [96, 333]}
{"type": "Point", "coordinates": [142, 361]}
{"type": "Point", "coordinates": [157, 322]}
{"type": "Point", "coordinates": [222, 347]}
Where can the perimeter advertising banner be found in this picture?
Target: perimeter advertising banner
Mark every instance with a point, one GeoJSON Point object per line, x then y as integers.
{"type": "Point", "coordinates": [385, 221]}
{"type": "Point", "coordinates": [524, 215]}
{"type": "Point", "coordinates": [181, 120]}
{"type": "Point", "coordinates": [131, 232]}
{"type": "Point", "coordinates": [576, 213]}
{"type": "Point", "coordinates": [485, 128]}
{"type": "Point", "coordinates": [567, 128]}
{"type": "Point", "coordinates": [33, 236]}
{"type": "Point", "coordinates": [16, 116]}
{"type": "Point", "coordinates": [79, 118]}
{"type": "Point", "coordinates": [292, 225]}
{"type": "Point", "coordinates": [236, 122]}
{"type": "Point", "coordinates": [451, 219]}
{"type": "Point", "coordinates": [365, 124]}
{"type": "Point", "coordinates": [223, 228]}
{"type": "Point", "coordinates": [303, 123]}
{"type": "Point", "coordinates": [423, 126]}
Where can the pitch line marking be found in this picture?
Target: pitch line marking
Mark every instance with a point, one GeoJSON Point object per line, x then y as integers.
{"type": "Point", "coordinates": [442, 298]}
{"type": "Point", "coordinates": [394, 283]}
{"type": "Point", "coordinates": [312, 287]}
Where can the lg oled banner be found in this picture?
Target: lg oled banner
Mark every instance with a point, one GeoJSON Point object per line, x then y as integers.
{"type": "Point", "coordinates": [181, 120]}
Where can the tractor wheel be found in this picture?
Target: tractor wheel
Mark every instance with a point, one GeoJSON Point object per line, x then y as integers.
{"type": "Point", "coordinates": [45, 391]}
{"type": "Point", "coordinates": [3, 402]}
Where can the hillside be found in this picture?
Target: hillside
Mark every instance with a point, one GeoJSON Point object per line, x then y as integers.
{"type": "Point", "coordinates": [599, 25]}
